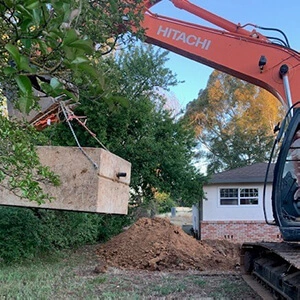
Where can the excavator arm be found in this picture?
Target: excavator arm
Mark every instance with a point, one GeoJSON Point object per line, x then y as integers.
{"type": "Point", "coordinates": [252, 57]}
{"type": "Point", "coordinates": [247, 55]}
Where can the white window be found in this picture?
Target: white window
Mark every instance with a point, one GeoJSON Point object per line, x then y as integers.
{"type": "Point", "coordinates": [238, 196]}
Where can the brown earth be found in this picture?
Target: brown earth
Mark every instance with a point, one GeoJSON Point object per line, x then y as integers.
{"type": "Point", "coordinates": [157, 244]}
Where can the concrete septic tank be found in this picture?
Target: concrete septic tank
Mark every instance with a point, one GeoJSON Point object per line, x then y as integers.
{"type": "Point", "coordinates": [83, 187]}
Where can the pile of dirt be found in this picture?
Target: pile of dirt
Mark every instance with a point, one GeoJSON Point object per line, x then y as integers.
{"type": "Point", "coordinates": [156, 244]}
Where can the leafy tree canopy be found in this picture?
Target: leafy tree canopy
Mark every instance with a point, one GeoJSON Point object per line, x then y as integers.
{"type": "Point", "coordinates": [143, 132]}
{"type": "Point", "coordinates": [20, 170]}
{"type": "Point", "coordinates": [50, 44]}
{"type": "Point", "coordinates": [234, 121]}
{"type": "Point", "coordinates": [52, 47]}
{"type": "Point", "coordinates": [58, 47]}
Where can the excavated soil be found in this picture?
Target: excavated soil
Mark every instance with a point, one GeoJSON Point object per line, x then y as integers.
{"type": "Point", "coordinates": [158, 245]}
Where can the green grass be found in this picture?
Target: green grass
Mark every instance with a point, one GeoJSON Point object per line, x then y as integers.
{"type": "Point", "coordinates": [167, 287]}
{"type": "Point", "coordinates": [70, 275]}
{"type": "Point", "coordinates": [43, 279]}
{"type": "Point", "coordinates": [229, 289]}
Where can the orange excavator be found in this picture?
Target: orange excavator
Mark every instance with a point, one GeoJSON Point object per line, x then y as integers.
{"type": "Point", "coordinates": [271, 64]}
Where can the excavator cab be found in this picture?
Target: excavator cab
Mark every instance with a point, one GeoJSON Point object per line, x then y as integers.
{"type": "Point", "coordinates": [286, 182]}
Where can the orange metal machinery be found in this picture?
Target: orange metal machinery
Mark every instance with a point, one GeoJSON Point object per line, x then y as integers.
{"type": "Point", "coordinates": [271, 64]}
{"type": "Point", "coordinates": [247, 55]}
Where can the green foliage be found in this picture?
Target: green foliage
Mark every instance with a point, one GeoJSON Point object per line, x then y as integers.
{"type": "Point", "coordinates": [159, 146]}
{"type": "Point", "coordinates": [19, 234]}
{"type": "Point", "coordinates": [225, 118]}
{"type": "Point", "coordinates": [20, 169]}
{"type": "Point", "coordinates": [50, 46]}
{"type": "Point", "coordinates": [111, 225]}
{"type": "Point", "coordinates": [25, 233]}
{"type": "Point", "coordinates": [142, 69]}
{"type": "Point", "coordinates": [164, 202]}
{"type": "Point", "coordinates": [56, 40]}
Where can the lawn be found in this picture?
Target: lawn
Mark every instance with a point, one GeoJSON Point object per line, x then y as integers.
{"type": "Point", "coordinates": [73, 275]}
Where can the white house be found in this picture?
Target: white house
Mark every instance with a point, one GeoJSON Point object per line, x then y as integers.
{"type": "Point", "coordinates": [233, 206]}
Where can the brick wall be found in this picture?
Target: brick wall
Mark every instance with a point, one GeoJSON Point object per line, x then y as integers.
{"type": "Point", "coordinates": [239, 231]}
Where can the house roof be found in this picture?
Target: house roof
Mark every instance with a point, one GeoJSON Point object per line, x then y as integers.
{"type": "Point", "coordinates": [249, 174]}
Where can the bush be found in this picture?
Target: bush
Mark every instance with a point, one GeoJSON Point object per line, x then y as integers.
{"type": "Point", "coordinates": [25, 232]}
{"type": "Point", "coordinates": [164, 202]}
{"type": "Point", "coordinates": [68, 229]}
{"type": "Point", "coordinates": [19, 234]}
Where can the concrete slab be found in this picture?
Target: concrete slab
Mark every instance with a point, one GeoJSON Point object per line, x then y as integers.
{"type": "Point", "coordinates": [83, 188]}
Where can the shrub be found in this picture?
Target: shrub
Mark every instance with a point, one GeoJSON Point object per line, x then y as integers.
{"type": "Point", "coordinates": [25, 232]}
{"type": "Point", "coordinates": [19, 234]}
{"type": "Point", "coordinates": [164, 202]}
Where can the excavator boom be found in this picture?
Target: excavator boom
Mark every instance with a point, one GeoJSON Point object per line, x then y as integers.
{"type": "Point", "coordinates": [250, 56]}
{"type": "Point", "coordinates": [247, 55]}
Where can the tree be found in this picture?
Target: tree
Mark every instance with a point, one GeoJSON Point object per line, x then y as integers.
{"type": "Point", "coordinates": [234, 121]}
{"type": "Point", "coordinates": [143, 132]}
{"type": "Point", "coordinates": [52, 47]}
{"type": "Point", "coordinates": [59, 47]}
{"type": "Point", "coordinates": [20, 169]}
{"type": "Point", "coordinates": [49, 45]}
{"type": "Point", "coordinates": [144, 66]}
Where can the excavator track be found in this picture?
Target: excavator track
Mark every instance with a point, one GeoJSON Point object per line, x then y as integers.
{"type": "Point", "coordinates": [276, 265]}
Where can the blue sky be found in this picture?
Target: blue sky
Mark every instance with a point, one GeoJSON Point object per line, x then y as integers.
{"type": "Point", "coordinates": [284, 15]}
